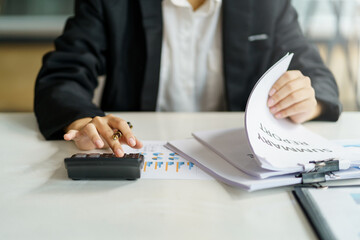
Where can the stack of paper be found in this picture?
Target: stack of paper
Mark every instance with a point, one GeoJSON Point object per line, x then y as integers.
{"type": "Point", "coordinates": [268, 152]}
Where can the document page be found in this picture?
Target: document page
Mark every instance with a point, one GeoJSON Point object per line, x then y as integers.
{"type": "Point", "coordinates": [222, 170]}
{"type": "Point", "coordinates": [280, 144]}
{"type": "Point", "coordinates": [233, 146]}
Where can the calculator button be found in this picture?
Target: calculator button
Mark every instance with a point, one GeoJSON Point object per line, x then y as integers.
{"type": "Point", "coordinates": [108, 155]}
{"type": "Point", "coordinates": [94, 155]}
{"type": "Point", "coordinates": [79, 155]}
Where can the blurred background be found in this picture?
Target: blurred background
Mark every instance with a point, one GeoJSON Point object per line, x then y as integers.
{"type": "Point", "coordinates": [28, 27]}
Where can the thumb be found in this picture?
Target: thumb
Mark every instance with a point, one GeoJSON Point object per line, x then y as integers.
{"type": "Point", "coordinates": [71, 135]}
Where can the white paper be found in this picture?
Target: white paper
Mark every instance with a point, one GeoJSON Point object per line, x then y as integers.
{"type": "Point", "coordinates": [280, 144]}
{"type": "Point", "coordinates": [161, 163]}
{"type": "Point", "coordinates": [217, 167]}
{"type": "Point", "coordinates": [233, 146]}
{"type": "Point", "coordinates": [222, 170]}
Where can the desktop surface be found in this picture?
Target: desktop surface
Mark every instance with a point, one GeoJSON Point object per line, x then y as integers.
{"type": "Point", "coordinates": [39, 201]}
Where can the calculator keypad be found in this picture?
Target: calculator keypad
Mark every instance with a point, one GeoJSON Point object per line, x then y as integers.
{"type": "Point", "coordinates": [98, 166]}
{"type": "Point", "coordinates": [106, 155]}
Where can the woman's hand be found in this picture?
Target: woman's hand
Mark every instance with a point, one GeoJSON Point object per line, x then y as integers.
{"type": "Point", "coordinates": [97, 132]}
{"type": "Point", "coordinates": [292, 96]}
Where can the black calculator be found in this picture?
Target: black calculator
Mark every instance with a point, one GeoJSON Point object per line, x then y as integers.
{"type": "Point", "coordinates": [105, 166]}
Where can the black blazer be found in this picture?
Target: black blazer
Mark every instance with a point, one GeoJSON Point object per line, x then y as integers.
{"type": "Point", "coordinates": [122, 40]}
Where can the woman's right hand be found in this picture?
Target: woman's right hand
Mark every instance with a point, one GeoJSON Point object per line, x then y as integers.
{"type": "Point", "coordinates": [97, 133]}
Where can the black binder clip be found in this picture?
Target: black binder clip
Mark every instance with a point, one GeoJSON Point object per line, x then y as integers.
{"type": "Point", "coordinates": [318, 173]}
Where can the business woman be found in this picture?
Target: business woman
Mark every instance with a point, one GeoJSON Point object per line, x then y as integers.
{"type": "Point", "coordinates": [175, 55]}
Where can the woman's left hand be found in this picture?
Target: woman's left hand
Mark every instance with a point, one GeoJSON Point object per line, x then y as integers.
{"type": "Point", "coordinates": [293, 96]}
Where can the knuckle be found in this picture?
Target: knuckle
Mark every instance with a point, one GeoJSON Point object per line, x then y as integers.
{"type": "Point", "coordinates": [292, 97]}
{"type": "Point", "coordinates": [291, 87]}
{"type": "Point", "coordinates": [88, 131]}
{"type": "Point", "coordinates": [275, 98]}
{"type": "Point", "coordinates": [276, 86]}
{"type": "Point", "coordinates": [88, 127]}
{"type": "Point", "coordinates": [312, 92]}
{"type": "Point", "coordinates": [97, 119]}
{"type": "Point", "coordinates": [279, 106]}
{"type": "Point", "coordinates": [117, 121]}
{"type": "Point", "coordinates": [298, 72]}
{"type": "Point", "coordinates": [288, 74]}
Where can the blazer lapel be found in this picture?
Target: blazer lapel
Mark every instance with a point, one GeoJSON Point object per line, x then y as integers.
{"type": "Point", "coordinates": [236, 30]}
{"type": "Point", "coordinates": [152, 22]}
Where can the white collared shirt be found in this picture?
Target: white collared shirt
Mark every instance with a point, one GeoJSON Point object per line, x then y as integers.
{"type": "Point", "coordinates": [191, 74]}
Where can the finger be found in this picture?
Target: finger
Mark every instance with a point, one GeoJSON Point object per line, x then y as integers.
{"type": "Point", "coordinates": [70, 135]}
{"type": "Point", "coordinates": [127, 135]}
{"type": "Point", "coordinates": [92, 133]}
{"type": "Point", "coordinates": [107, 132]}
{"type": "Point", "coordinates": [289, 88]}
{"type": "Point", "coordinates": [286, 77]}
{"type": "Point", "coordinates": [298, 108]}
{"type": "Point", "coordinates": [80, 139]}
{"type": "Point", "coordinates": [293, 98]}
{"type": "Point", "coordinates": [138, 144]}
{"type": "Point", "coordinates": [105, 142]}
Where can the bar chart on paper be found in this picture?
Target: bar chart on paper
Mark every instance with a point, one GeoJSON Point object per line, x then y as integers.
{"type": "Point", "coordinates": [161, 163]}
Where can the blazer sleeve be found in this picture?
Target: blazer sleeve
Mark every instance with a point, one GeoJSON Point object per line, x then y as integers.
{"type": "Point", "coordinates": [65, 84]}
{"type": "Point", "coordinates": [289, 38]}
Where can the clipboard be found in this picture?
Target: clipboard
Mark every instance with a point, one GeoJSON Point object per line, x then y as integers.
{"type": "Point", "coordinates": [332, 211]}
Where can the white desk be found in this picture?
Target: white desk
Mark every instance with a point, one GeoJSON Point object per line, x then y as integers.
{"type": "Point", "coordinates": [38, 201]}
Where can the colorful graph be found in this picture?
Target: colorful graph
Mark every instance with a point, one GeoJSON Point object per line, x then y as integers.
{"type": "Point", "coordinates": [157, 156]}
{"type": "Point", "coordinates": [178, 165]}
{"type": "Point", "coordinates": [147, 164]}
{"type": "Point", "coordinates": [174, 162]}
{"type": "Point", "coordinates": [168, 164]}
{"type": "Point", "coordinates": [158, 165]}
{"type": "Point", "coordinates": [161, 163]}
{"type": "Point", "coordinates": [190, 164]}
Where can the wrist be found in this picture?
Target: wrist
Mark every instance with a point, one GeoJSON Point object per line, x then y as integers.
{"type": "Point", "coordinates": [318, 110]}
